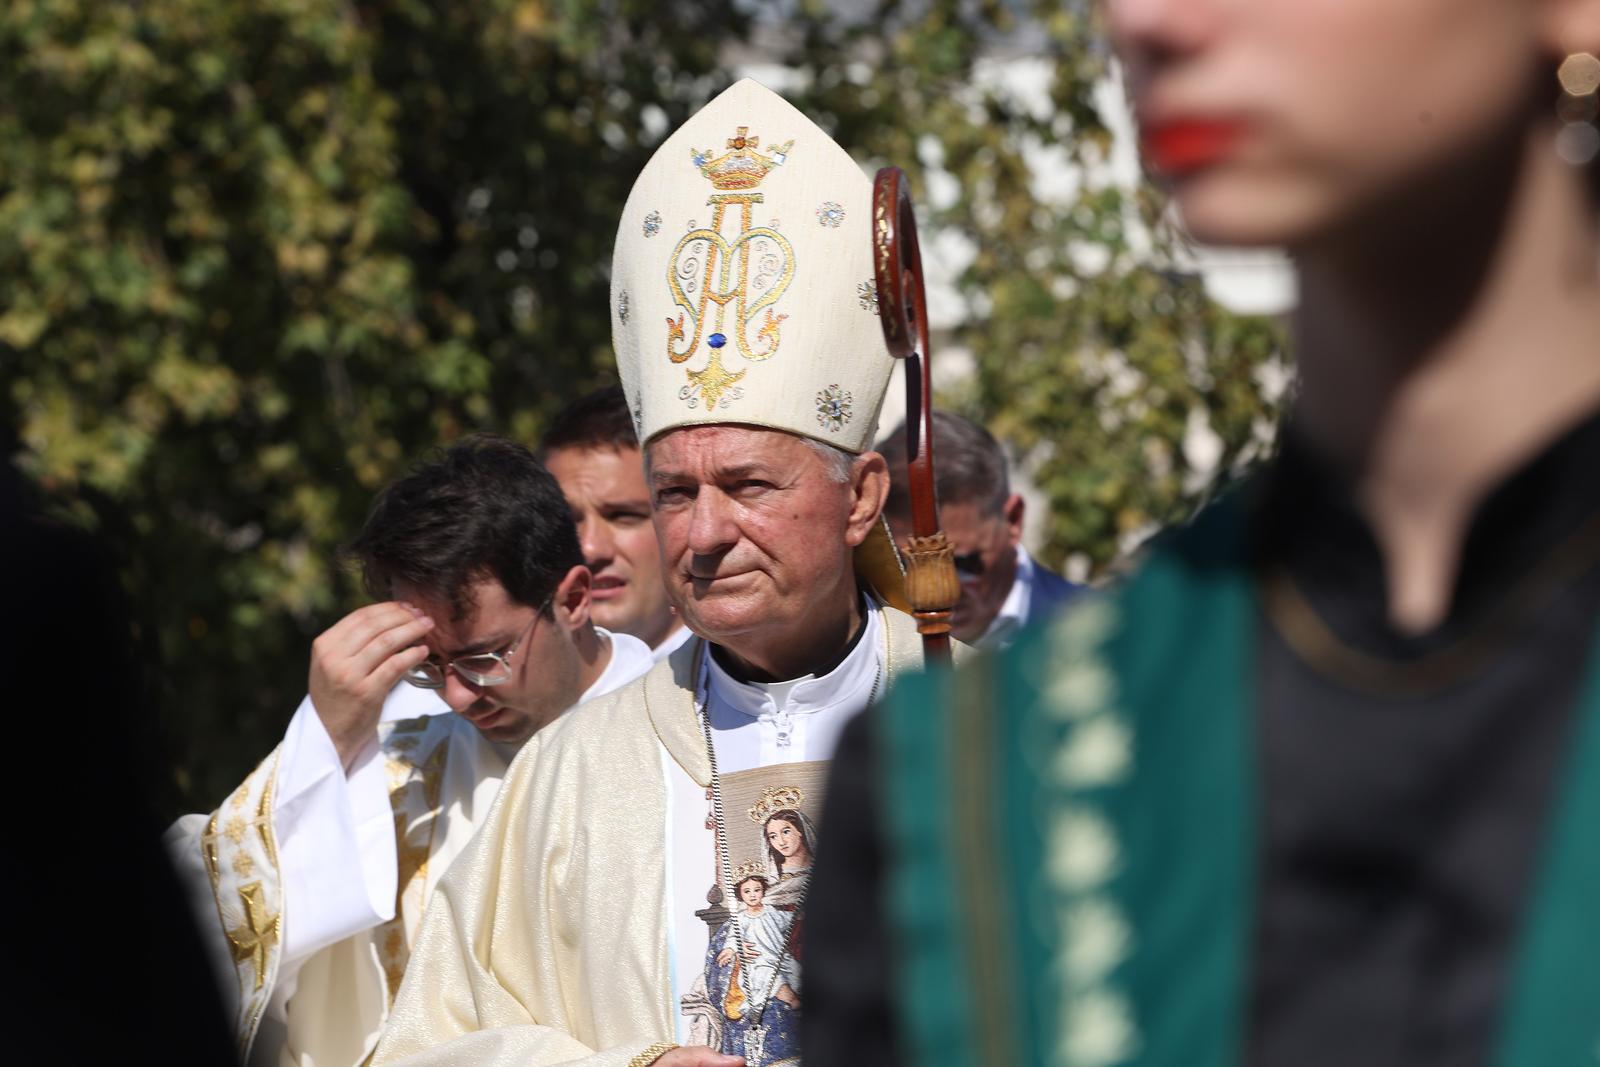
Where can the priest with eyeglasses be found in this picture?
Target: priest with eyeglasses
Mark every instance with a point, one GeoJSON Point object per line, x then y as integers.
{"type": "Point", "coordinates": [310, 879]}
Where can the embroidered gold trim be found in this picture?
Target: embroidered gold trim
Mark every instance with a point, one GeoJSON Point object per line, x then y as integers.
{"type": "Point", "coordinates": [263, 820]}
{"type": "Point", "coordinates": [208, 850]}
{"type": "Point", "coordinates": [652, 1054]}
{"type": "Point", "coordinates": [1315, 643]}
{"type": "Point", "coordinates": [255, 938]}
{"type": "Point", "coordinates": [972, 763]}
{"type": "Point", "coordinates": [249, 916]}
{"type": "Point", "coordinates": [414, 827]}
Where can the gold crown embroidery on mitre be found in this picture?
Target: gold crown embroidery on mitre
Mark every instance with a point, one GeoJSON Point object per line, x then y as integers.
{"type": "Point", "coordinates": [749, 869]}
{"type": "Point", "coordinates": [775, 800]}
{"type": "Point", "coordinates": [741, 167]}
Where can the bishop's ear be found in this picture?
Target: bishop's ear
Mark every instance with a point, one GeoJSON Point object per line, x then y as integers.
{"type": "Point", "coordinates": [869, 487]}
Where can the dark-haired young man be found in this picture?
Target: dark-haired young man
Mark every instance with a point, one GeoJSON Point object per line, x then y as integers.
{"type": "Point", "coordinates": [1002, 588]}
{"type": "Point", "coordinates": [593, 452]}
{"type": "Point", "coordinates": [311, 878]}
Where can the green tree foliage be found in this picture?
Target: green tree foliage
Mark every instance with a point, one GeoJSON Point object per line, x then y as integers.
{"type": "Point", "coordinates": [258, 255]}
{"type": "Point", "coordinates": [1095, 344]}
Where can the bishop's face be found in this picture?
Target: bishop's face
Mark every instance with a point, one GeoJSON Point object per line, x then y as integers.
{"type": "Point", "coordinates": [756, 531]}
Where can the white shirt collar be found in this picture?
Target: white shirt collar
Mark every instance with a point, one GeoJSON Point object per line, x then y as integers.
{"type": "Point", "coordinates": [674, 641]}
{"type": "Point", "coordinates": [851, 679]}
{"type": "Point", "coordinates": [1014, 611]}
{"type": "Point", "coordinates": [630, 658]}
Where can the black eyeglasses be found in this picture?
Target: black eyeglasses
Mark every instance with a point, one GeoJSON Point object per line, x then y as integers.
{"type": "Point", "coordinates": [482, 668]}
{"type": "Point", "coordinates": [970, 564]}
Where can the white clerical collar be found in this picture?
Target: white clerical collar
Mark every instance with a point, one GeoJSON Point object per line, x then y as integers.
{"type": "Point", "coordinates": [1014, 611]}
{"type": "Point", "coordinates": [852, 678]}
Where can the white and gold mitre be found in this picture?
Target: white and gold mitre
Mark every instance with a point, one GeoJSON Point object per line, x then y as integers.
{"type": "Point", "coordinates": [742, 282]}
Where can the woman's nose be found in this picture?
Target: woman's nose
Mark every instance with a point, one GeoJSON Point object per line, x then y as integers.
{"type": "Point", "coordinates": [1144, 32]}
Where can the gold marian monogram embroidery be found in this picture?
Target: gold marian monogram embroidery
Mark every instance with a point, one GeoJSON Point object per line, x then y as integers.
{"type": "Point", "coordinates": [710, 273]}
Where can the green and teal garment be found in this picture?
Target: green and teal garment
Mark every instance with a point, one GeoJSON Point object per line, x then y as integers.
{"type": "Point", "coordinates": [1075, 829]}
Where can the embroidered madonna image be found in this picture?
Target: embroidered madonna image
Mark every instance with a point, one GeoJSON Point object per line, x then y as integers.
{"type": "Point", "coordinates": [748, 1000]}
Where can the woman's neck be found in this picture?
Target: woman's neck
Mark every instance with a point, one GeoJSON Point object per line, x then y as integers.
{"type": "Point", "coordinates": [1441, 354]}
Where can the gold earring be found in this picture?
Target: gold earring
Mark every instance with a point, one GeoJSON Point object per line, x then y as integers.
{"type": "Point", "coordinates": [1578, 142]}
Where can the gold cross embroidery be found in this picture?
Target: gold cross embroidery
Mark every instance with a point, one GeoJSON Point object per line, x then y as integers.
{"type": "Point", "coordinates": [256, 936]}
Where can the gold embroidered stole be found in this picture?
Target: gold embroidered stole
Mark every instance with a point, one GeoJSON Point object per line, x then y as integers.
{"type": "Point", "coordinates": [240, 850]}
{"type": "Point", "coordinates": [414, 753]}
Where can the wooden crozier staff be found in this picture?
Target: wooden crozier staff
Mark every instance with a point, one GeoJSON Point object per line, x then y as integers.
{"type": "Point", "coordinates": [931, 583]}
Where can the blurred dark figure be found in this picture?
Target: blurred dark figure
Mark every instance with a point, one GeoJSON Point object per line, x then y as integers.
{"type": "Point", "coordinates": [1320, 785]}
{"type": "Point", "coordinates": [1002, 588]}
{"type": "Point", "coordinates": [105, 965]}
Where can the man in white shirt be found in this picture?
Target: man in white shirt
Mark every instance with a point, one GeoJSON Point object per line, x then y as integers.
{"type": "Point", "coordinates": [592, 450]}
{"type": "Point", "coordinates": [1003, 588]}
{"type": "Point", "coordinates": [589, 922]}
{"type": "Point", "coordinates": [311, 878]}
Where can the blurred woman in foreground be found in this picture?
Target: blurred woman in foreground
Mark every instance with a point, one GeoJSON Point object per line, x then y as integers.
{"type": "Point", "coordinates": [1321, 785]}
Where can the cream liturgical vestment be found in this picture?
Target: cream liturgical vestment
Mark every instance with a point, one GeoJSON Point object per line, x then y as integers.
{"type": "Point", "coordinates": [576, 929]}
{"type": "Point", "coordinates": [310, 883]}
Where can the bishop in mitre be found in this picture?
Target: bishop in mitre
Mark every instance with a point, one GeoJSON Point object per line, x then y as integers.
{"type": "Point", "coordinates": [596, 918]}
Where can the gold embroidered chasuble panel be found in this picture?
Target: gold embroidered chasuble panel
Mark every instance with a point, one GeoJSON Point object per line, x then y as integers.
{"type": "Point", "coordinates": [441, 775]}
{"type": "Point", "coordinates": [239, 850]}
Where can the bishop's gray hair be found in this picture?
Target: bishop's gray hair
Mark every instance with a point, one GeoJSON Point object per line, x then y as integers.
{"type": "Point", "coordinates": [837, 464]}
{"type": "Point", "coordinates": [835, 461]}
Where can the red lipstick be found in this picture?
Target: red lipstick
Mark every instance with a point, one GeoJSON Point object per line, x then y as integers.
{"type": "Point", "coordinates": [1188, 145]}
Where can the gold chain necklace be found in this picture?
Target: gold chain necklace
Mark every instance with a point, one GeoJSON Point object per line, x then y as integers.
{"type": "Point", "coordinates": [1315, 644]}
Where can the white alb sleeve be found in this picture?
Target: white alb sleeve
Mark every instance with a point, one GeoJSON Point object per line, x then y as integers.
{"type": "Point", "coordinates": [336, 841]}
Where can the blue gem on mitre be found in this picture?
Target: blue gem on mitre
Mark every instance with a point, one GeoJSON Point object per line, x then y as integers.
{"type": "Point", "coordinates": [716, 340]}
